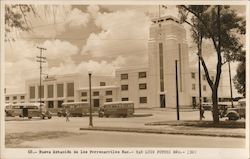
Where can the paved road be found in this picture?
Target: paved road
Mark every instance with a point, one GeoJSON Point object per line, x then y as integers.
{"type": "Point", "coordinates": [122, 139]}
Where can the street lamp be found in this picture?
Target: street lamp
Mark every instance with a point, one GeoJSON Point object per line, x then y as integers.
{"type": "Point", "coordinates": [90, 108]}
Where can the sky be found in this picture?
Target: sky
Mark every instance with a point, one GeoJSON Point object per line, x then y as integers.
{"type": "Point", "coordinates": [96, 38]}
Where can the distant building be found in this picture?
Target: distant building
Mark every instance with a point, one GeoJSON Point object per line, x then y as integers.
{"type": "Point", "coordinates": [148, 86]}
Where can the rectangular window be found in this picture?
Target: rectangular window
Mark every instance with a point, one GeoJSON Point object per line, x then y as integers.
{"type": "Point", "coordinates": [204, 88]}
{"type": "Point", "coordinates": [143, 100]}
{"type": "Point", "coordinates": [50, 91]}
{"type": "Point", "coordinates": [109, 100]}
{"type": "Point", "coordinates": [102, 84]}
{"type": "Point", "coordinates": [124, 87]}
{"type": "Point", "coordinates": [108, 92]}
{"type": "Point", "coordinates": [204, 99]}
{"type": "Point", "coordinates": [42, 91]}
{"type": "Point", "coordinates": [124, 99]}
{"type": "Point", "coordinates": [14, 97]}
{"type": "Point", "coordinates": [84, 100]}
{"type": "Point", "coordinates": [22, 97]}
{"type": "Point", "coordinates": [84, 94]}
{"type": "Point", "coordinates": [161, 67]}
{"type": "Point", "coordinates": [32, 92]}
{"type": "Point", "coordinates": [124, 76]}
{"type": "Point", "coordinates": [142, 74]}
{"type": "Point", "coordinates": [212, 78]}
{"type": "Point", "coordinates": [193, 86]}
{"type": "Point", "coordinates": [51, 104]}
{"type": "Point", "coordinates": [193, 75]}
{"type": "Point", "coordinates": [7, 98]}
{"type": "Point", "coordinates": [59, 103]}
{"type": "Point", "coordinates": [142, 86]}
{"type": "Point", "coordinates": [70, 101]}
{"type": "Point", "coordinates": [96, 93]}
{"type": "Point", "coordinates": [59, 90]}
{"type": "Point", "coordinates": [204, 77]}
{"type": "Point", "coordinates": [70, 90]}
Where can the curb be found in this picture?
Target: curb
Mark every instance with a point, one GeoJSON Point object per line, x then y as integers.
{"type": "Point", "coordinates": [160, 131]}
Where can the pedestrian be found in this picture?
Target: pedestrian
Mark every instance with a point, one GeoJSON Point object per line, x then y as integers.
{"type": "Point", "coordinates": [202, 112]}
{"type": "Point", "coordinates": [67, 115]}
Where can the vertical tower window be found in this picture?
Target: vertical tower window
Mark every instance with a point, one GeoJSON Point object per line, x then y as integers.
{"type": "Point", "coordinates": [161, 67]}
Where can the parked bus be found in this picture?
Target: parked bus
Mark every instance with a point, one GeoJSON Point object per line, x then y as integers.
{"type": "Point", "coordinates": [29, 110]}
{"type": "Point", "coordinates": [121, 108]}
{"type": "Point", "coordinates": [74, 109]}
{"type": "Point", "coordinates": [8, 110]}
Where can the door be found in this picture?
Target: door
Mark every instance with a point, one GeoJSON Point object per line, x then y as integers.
{"type": "Point", "coordinates": [162, 101]}
{"type": "Point", "coordinates": [25, 112]}
{"type": "Point", "coordinates": [96, 102]}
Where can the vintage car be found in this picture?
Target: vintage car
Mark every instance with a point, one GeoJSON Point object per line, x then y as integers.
{"type": "Point", "coordinates": [237, 112]}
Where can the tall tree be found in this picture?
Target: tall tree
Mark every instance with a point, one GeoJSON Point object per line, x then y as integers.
{"type": "Point", "coordinates": [222, 25]}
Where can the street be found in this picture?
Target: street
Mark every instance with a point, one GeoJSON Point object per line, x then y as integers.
{"type": "Point", "coordinates": [56, 132]}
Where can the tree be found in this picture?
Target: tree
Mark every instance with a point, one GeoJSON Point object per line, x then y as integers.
{"type": "Point", "coordinates": [222, 25]}
{"type": "Point", "coordinates": [240, 77]}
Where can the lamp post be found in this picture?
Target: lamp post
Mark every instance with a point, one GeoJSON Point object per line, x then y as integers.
{"type": "Point", "coordinates": [90, 108]}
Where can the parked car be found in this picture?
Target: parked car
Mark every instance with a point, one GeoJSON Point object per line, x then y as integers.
{"type": "Point", "coordinates": [237, 112]}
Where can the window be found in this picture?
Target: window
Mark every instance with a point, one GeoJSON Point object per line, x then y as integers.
{"type": "Point", "coordinates": [193, 86]}
{"type": "Point", "coordinates": [32, 92]}
{"type": "Point", "coordinates": [84, 100]}
{"type": "Point", "coordinates": [193, 75]}
{"type": "Point", "coordinates": [14, 97]}
{"type": "Point", "coordinates": [50, 104]}
{"type": "Point", "coordinates": [212, 78]}
{"type": "Point", "coordinates": [124, 87]}
{"type": "Point", "coordinates": [142, 74]}
{"type": "Point", "coordinates": [204, 77]}
{"type": "Point", "coordinates": [59, 103]}
{"type": "Point", "coordinates": [96, 93]}
{"type": "Point", "coordinates": [124, 76]}
{"type": "Point", "coordinates": [70, 101]}
{"type": "Point", "coordinates": [204, 88]}
{"type": "Point", "coordinates": [143, 99]}
{"type": "Point", "coordinates": [124, 99]}
{"type": "Point", "coordinates": [109, 100]}
{"type": "Point", "coordinates": [59, 90]}
{"type": "Point", "coordinates": [42, 91]}
{"type": "Point", "coordinates": [142, 86]}
{"type": "Point", "coordinates": [7, 98]}
{"type": "Point", "coordinates": [22, 97]}
{"type": "Point", "coordinates": [161, 67]}
{"type": "Point", "coordinates": [205, 99]}
{"type": "Point", "coordinates": [50, 91]}
{"type": "Point", "coordinates": [102, 84]}
{"type": "Point", "coordinates": [70, 89]}
{"type": "Point", "coordinates": [108, 92]}
{"type": "Point", "coordinates": [84, 94]}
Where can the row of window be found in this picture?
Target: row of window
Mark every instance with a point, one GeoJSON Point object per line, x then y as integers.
{"type": "Point", "coordinates": [96, 93]}
{"type": "Point", "coordinates": [14, 98]}
{"type": "Point", "coordinates": [203, 76]}
{"type": "Point", "coordinates": [141, 86]}
{"type": "Point", "coordinates": [124, 76]}
{"type": "Point", "coordinates": [50, 91]}
{"type": "Point", "coordinates": [204, 87]}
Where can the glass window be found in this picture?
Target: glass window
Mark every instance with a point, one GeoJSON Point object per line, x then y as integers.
{"type": "Point", "coordinates": [22, 97]}
{"type": "Point", "coordinates": [59, 90]}
{"type": "Point", "coordinates": [212, 78]}
{"type": "Point", "coordinates": [50, 91]}
{"type": "Point", "coordinates": [124, 87]}
{"type": "Point", "coordinates": [7, 98]}
{"type": "Point", "coordinates": [32, 92]}
{"type": "Point", "coordinates": [59, 103]}
{"type": "Point", "coordinates": [108, 92]}
{"type": "Point", "coordinates": [70, 89]}
{"type": "Point", "coordinates": [84, 100]}
{"type": "Point", "coordinates": [124, 76]}
{"type": "Point", "coordinates": [193, 86]}
{"type": "Point", "coordinates": [204, 77]}
{"type": "Point", "coordinates": [142, 86]}
{"type": "Point", "coordinates": [204, 88]}
{"type": "Point", "coordinates": [142, 74]}
{"type": "Point", "coordinates": [109, 100]}
{"type": "Point", "coordinates": [143, 99]}
{"type": "Point", "coordinates": [102, 84]}
{"type": "Point", "coordinates": [124, 99]}
{"type": "Point", "coordinates": [96, 93]}
{"type": "Point", "coordinates": [14, 97]}
{"type": "Point", "coordinates": [161, 67]}
{"type": "Point", "coordinates": [193, 75]}
{"type": "Point", "coordinates": [50, 104]}
{"type": "Point", "coordinates": [84, 94]}
{"type": "Point", "coordinates": [42, 91]}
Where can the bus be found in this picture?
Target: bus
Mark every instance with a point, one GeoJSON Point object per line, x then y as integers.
{"type": "Point", "coordinates": [8, 110]}
{"type": "Point", "coordinates": [28, 110]}
{"type": "Point", "coordinates": [74, 108]}
{"type": "Point", "coordinates": [120, 108]}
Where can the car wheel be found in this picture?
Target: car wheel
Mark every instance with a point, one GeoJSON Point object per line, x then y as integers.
{"type": "Point", "coordinates": [49, 117]}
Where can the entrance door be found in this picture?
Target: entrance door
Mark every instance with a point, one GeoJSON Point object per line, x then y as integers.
{"type": "Point", "coordinates": [25, 112]}
{"type": "Point", "coordinates": [96, 102]}
{"type": "Point", "coordinates": [162, 101]}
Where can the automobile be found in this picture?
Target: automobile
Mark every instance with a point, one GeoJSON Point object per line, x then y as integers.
{"type": "Point", "coordinates": [75, 109]}
{"type": "Point", "coordinates": [237, 112]}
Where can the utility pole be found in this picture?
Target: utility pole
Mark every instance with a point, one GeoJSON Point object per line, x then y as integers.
{"type": "Point", "coordinates": [90, 103]}
{"type": "Point", "coordinates": [231, 90]}
{"type": "Point", "coordinates": [177, 90]}
{"type": "Point", "coordinates": [41, 59]}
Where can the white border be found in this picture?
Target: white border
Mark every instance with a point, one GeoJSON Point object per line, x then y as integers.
{"type": "Point", "coordinates": [206, 153]}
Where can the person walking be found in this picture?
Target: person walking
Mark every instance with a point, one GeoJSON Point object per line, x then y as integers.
{"type": "Point", "coordinates": [202, 112]}
{"type": "Point", "coordinates": [67, 115]}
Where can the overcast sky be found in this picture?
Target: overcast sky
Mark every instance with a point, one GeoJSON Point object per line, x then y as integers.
{"type": "Point", "coordinates": [79, 38]}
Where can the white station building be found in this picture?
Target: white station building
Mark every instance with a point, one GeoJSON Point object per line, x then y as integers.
{"type": "Point", "coordinates": [151, 86]}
